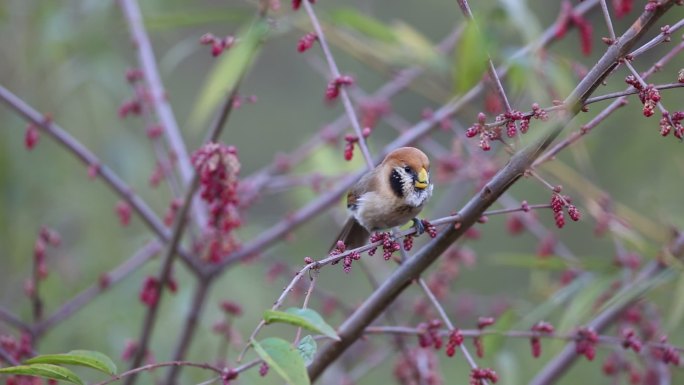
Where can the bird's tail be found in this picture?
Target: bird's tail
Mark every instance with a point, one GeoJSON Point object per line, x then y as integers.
{"type": "Point", "coordinates": [353, 235]}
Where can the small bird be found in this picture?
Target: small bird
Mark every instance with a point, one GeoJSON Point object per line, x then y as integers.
{"type": "Point", "coordinates": [389, 195]}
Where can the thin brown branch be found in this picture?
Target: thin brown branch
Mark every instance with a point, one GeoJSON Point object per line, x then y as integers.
{"type": "Point", "coordinates": [11, 319]}
{"type": "Point", "coordinates": [335, 72]}
{"type": "Point", "coordinates": [107, 281]}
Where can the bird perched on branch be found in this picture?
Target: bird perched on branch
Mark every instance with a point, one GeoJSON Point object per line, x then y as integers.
{"type": "Point", "coordinates": [390, 195]}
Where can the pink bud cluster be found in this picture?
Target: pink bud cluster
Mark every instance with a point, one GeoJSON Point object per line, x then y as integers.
{"type": "Point", "coordinates": [372, 110]}
{"type": "Point", "coordinates": [672, 121]}
{"type": "Point", "coordinates": [418, 363]}
{"type": "Point", "coordinates": [648, 95]}
{"type": "Point", "coordinates": [429, 228]}
{"type": "Point", "coordinates": [123, 211]}
{"type": "Point", "coordinates": [622, 7]}
{"type": "Point", "coordinates": [478, 376]}
{"type": "Point", "coordinates": [568, 18]}
{"type": "Point", "coordinates": [586, 343]}
{"type": "Point", "coordinates": [31, 137]}
{"type": "Point", "coordinates": [482, 323]}
{"type": "Point", "coordinates": [455, 340]}
{"type": "Point", "coordinates": [150, 292]}
{"type": "Point", "coordinates": [430, 335]}
{"type": "Point", "coordinates": [558, 202]}
{"type": "Point", "coordinates": [46, 237]}
{"type": "Point", "coordinates": [540, 327]}
{"type": "Point", "coordinates": [332, 91]}
{"type": "Point", "coordinates": [348, 259]}
{"type": "Point", "coordinates": [218, 44]}
{"type": "Point", "coordinates": [389, 245]}
{"type": "Point", "coordinates": [18, 350]}
{"type": "Point", "coordinates": [349, 140]}
{"type": "Point", "coordinates": [507, 119]}
{"type": "Point", "coordinates": [218, 167]}
{"type": "Point", "coordinates": [667, 354]}
{"type": "Point", "coordinates": [306, 42]}
{"type": "Point", "coordinates": [296, 4]}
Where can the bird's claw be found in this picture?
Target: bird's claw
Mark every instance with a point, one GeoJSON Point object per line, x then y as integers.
{"type": "Point", "coordinates": [418, 224]}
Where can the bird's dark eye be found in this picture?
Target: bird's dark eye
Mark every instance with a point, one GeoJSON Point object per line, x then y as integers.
{"type": "Point", "coordinates": [407, 169]}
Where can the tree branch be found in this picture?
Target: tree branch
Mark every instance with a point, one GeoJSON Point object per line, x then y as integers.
{"type": "Point", "coordinates": [353, 327]}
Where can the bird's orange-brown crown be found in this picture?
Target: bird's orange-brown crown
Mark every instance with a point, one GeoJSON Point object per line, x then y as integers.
{"type": "Point", "coordinates": [409, 156]}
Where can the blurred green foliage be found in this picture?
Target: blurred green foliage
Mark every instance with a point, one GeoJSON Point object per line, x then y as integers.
{"type": "Point", "coordinates": [69, 59]}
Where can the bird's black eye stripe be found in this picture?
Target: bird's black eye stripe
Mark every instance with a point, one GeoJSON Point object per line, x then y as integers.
{"type": "Point", "coordinates": [397, 184]}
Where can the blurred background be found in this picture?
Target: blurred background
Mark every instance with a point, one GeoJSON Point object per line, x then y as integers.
{"type": "Point", "coordinates": [69, 59]}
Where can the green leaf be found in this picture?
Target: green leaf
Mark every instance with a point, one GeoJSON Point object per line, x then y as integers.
{"type": "Point", "coordinates": [307, 349]}
{"type": "Point", "coordinates": [305, 318]}
{"type": "Point", "coordinates": [284, 358]}
{"type": "Point", "coordinates": [87, 358]}
{"type": "Point", "coordinates": [228, 71]}
{"type": "Point", "coordinates": [493, 342]}
{"type": "Point", "coordinates": [470, 59]}
{"type": "Point", "coordinates": [49, 371]}
{"type": "Point", "coordinates": [631, 292]}
{"type": "Point", "coordinates": [363, 24]}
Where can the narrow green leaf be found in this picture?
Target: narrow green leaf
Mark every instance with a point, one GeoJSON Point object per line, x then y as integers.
{"type": "Point", "coordinates": [87, 358]}
{"type": "Point", "coordinates": [305, 318]}
{"type": "Point", "coordinates": [48, 371]}
{"type": "Point", "coordinates": [284, 358]}
{"type": "Point", "coordinates": [363, 24]}
{"type": "Point", "coordinates": [228, 71]}
{"type": "Point", "coordinates": [470, 59]}
{"type": "Point", "coordinates": [307, 349]}
{"type": "Point", "coordinates": [493, 342]}
{"type": "Point", "coordinates": [636, 290]}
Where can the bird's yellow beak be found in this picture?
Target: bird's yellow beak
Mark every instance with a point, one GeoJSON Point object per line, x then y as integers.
{"type": "Point", "coordinates": [422, 181]}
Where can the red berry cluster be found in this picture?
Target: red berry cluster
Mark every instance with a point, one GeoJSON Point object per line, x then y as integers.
{"type": "Point", "coordinates": [231, 308]}
{"type": "Point", "coordinates": [430, 335]}
{"type": "Point", "coordinates": [372, 111]}
{"type": "Point", "coordinates": [19, 351]}
{"type": "Point", "coordinates": [482, 323]}
{"type": "Point", "coordinates": [567, 18]}
{"type": "Point", "coordinates": [298, 3]}
{"type": "Point", "coordinates": [585, 344]}
{"type": "Point", "coordinates": [455, 340]}
{"type": "Point", "coordinates": [218, 44]}
{"type": "Point", "coordinates": [558, 202]}
{"type": "Point", "coordinates": [149, 294]}
{"type": "Point", "coordinates": [46, 237]}
{"type": "Point", "coordinates": [540, 327]}
{"type": "Point", "coordinates": [418, 364]}
{"type": "Point", "coordinates": [130, 107]}
{"type": "Point", "coordinates": [486, 135]}
{"type": "Point", "coordinates": [218, 167]}
{"type": "Point", "coordinates": [630, 340]}
{"type": "Point", "coordinates": [667, 354]}
{"type": "Point", "coordinates": [306, 42]}
{"type": "Point", "coordinates": [350, 140]}
{"type": "Point", "coordinates": [31, 137]}
{"type": "Point", "coordinates": [651, 6]}
{"type": "Point", "coordinates": [170, 215]}
{"type": "Point", "coordinates": [333, 89]}
{"type": "Point", "coordinates": [347, 263]}
{"type": "Point", "coordinates": [263, 369]}
{"type": "Point", "coordinates": [124, 211]}
{"type": "Point", "coordinates": [229, 374]}
{"type": "Point", "coordinates": [670, 121]}
{"type": "Point", "coordinates": [478, 376]}
{"type": "Point", "coordinates": [622, 7]}
{"type": "Point", "coordinates": [648, 95]}
{"type": "Point", "coordinates": [429, 228]}
{"type": "Point", "coordinates": [389, 245]}
{"type": "Point", "coordinates": [408, 242]}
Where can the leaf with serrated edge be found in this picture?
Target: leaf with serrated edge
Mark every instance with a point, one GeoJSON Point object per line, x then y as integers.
{"type": "Point", "coordinates": [307, 349]}
{"type": "Point", "coordinates": [48, 371]}
{"type": "Point", "coordinates": [284, 358]}
{"type": "Point", "coordinates": [305, 318]}
{"type": "Point", "coordinates": [87, 358]}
